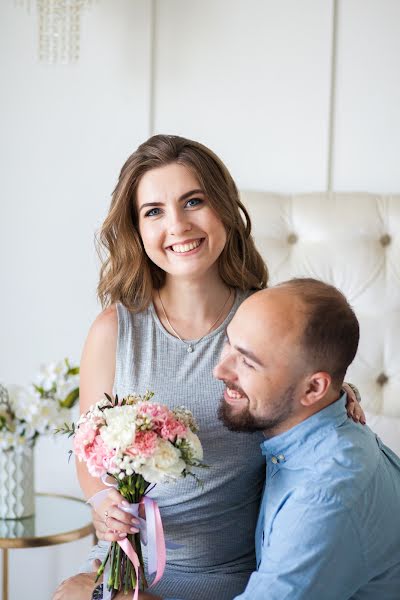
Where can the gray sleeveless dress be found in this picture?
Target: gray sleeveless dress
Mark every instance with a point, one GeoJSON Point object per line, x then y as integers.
{"type": "Point", "coordinates": [215, 523]}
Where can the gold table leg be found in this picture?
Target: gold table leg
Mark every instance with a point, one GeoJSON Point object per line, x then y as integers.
{"type": "Point", "coordinates": [5, 574]}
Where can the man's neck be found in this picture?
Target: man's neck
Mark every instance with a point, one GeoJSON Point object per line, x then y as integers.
{"type": "Point", "coordinates": [303, 414]}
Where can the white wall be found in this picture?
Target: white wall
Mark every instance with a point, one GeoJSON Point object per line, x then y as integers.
{"type": "Point", "coordinates": [250, 78]}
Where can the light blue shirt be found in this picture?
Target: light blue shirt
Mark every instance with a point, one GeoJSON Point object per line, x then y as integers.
{"type": "Point", "coordinates": [329, 523]}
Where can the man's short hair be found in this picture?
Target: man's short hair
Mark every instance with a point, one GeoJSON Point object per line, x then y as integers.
{"type": "Point", "coordinates": [331, 333]}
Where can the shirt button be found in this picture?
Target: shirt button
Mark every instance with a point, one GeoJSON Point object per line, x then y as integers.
{"type": "Point", "coordinates": [281, 457]}
{"type": "Point", "coordinates": [274, 460]}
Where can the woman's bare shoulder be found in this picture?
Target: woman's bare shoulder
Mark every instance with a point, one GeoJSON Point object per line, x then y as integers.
{"type": "Point", "coordinates": [105, 324]}
{"type": "Point", "coordinates": [98, 357]}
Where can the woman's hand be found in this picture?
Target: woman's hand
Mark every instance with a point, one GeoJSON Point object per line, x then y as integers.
{"type": "Point", "coordinates": [112, 523]}
{"type": "Point", "coordinates": [353, 406]}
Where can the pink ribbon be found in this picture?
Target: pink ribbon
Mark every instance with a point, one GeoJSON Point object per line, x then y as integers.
{"type": "Point", "coordinates": [151, 535]}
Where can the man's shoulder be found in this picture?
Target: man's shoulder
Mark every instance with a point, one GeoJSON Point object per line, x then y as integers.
{"type": "Point", "coordinates": [342, 465]}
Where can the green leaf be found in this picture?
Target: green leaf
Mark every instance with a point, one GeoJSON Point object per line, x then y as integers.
{"type": "Point", "coordinates": [109, 397]}
{"type": "Point", "coordinates": [71, 399]}
{"type": "Point", "coordinates": [39, 389]}
{"type": "Point", "coordinates": [73, 371]}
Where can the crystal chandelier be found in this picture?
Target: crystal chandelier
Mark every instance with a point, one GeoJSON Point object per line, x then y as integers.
{"type": "Point", "coordinates": [59, 28]}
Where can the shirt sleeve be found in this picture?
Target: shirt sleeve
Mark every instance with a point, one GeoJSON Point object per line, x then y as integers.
{"type": "Point", "coordinates": [312, 551]}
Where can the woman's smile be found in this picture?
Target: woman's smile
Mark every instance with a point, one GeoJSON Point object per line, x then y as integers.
{"type": "Point", "coordinates": [186, 247]}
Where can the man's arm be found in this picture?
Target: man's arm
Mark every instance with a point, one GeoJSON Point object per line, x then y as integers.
{"type": "Point", "coordinates": [313, 551]}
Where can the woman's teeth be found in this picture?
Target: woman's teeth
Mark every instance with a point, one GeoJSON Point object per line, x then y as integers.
{"type": "Point", "coordinates": [186, 247]}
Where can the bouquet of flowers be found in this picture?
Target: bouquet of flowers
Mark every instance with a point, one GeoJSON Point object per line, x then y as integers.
{"type": "Point", "coordinates": [29, 411]}
{"type": "Point", "coordinates": [136, 442]}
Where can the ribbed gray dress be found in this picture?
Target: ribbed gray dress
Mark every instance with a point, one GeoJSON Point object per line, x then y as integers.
{"type": "Point", "coordinates": [214, 524]}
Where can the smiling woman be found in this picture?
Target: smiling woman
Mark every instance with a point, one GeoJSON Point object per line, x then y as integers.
{"type": "Point", "coordinates": [178, 260]}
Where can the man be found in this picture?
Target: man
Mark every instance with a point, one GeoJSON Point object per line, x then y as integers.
{"type": "Point", "coordinates": [328, 527]}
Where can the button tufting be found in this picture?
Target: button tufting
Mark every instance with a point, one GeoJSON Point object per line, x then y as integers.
{"type": "Point", "coordinates": [385, 239]}
{"type": "Point", "coordinates": [382, 379]}
{"type": "Point", "coordinates": [292, 238]}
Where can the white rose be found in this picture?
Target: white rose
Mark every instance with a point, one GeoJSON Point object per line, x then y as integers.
{"type": "Point", "coordinates": [165, 464]}
{"type": "Point", "coordinates": [195, 444]}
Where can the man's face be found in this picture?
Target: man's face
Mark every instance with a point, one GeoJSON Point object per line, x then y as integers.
{"type": "Point", "coordinates": [262, 365]}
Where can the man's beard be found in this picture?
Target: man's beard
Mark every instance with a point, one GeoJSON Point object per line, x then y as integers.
{"type": "Point", "coordinates": [245, 422]}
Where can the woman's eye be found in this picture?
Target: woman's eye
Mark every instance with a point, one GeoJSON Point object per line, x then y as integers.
{"type": "Point", "coordinates": [152, 213]}
{"type": "Point", "coordinates": [193, 202]}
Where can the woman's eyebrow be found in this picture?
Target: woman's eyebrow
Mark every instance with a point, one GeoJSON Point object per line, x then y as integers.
{"type": "Point", "coordinates": [183, 197]}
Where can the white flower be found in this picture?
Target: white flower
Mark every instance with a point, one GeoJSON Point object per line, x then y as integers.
{"type": "Point", "coordinates": [195, 444]}
{"type": "Point", "coordinates": [10, 440]}
{"type": "Point", "coordinates": [119, 431]}
{"type": "Point", "coordinates": [50, 374]}
{"type": "Point", "coordinates": [165, 464]}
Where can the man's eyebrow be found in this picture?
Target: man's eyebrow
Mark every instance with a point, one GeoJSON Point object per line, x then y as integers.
{"type": "Point", "coordinates": [247, 353]}
{"type": "Point", "coordinates": [183, 197]}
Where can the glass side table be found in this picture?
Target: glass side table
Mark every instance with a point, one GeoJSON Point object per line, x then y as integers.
{"type": "Point", "coordinates": [58, 519]}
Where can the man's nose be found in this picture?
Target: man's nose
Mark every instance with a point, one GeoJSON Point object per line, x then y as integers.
{"type": "Point", "coordinates": [223, 369]}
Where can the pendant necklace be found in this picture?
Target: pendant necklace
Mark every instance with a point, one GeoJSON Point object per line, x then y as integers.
{"type": "Point", "coordinates": [191, 346]}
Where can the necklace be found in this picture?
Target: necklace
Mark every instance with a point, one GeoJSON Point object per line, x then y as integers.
{"type": "Point", "coordinates": [191, 346]}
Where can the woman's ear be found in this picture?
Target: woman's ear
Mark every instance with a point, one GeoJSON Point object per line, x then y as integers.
{"type": "Point", "coordinates": [316, 388]}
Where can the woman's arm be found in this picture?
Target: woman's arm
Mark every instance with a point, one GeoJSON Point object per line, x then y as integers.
{"type": "Point", "coordinates": [97, 372]}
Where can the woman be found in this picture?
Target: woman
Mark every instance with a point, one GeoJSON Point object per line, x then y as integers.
{"type": "Point", "coordinates": [179, 261]}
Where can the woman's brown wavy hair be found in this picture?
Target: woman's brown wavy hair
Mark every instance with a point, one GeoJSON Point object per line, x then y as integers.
{"type": "Point", "coordinates": [127, 274]}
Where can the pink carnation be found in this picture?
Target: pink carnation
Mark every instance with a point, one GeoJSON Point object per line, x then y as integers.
{"type": "Point", "coordinates": [100, 459]}
{"type": "Point", "coordinates": [172, 428]}
{"type": "Point", "coordinates": [156, 413]}
{"type": "Point", "coordinates": [83, 440]}
{"type": "Point", "coordinates": [145, 444]}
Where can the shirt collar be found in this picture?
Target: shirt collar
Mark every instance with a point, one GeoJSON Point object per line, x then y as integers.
{"type": "Point", "coordinates": [291, 441]}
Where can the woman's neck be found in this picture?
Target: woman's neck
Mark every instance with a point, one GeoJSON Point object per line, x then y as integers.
{"type": "Point", "coordinates": [192, 306]}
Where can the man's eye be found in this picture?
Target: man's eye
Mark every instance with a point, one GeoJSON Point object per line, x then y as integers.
{"type": "Point", "coordinates": [152, 213]}
{"type": "Point", "coordinates": [248, 365]}
{"type": "Point", "coordinates": [193, 202]}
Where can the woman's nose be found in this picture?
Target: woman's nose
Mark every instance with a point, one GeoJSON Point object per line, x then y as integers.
{"type": "Point", "coordinates": [178, 223]}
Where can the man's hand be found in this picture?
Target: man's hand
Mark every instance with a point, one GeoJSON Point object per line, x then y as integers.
{"type": "Point", "coordinates": [78, 587]}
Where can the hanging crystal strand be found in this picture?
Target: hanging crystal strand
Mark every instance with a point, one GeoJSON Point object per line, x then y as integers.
{"type": "Point", "coordinates": [63, 36]}
{"type": "Point", "coordinates": [44, 29]}
{"type": "Point", "coordinates": [75, 29]}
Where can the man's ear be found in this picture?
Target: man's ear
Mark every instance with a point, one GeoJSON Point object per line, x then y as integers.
{"type": "Point", "coordinates": [316, 387]}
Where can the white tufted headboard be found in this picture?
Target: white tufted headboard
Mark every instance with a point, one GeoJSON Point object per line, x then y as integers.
{"type": "Point", "coordinates": [351, 240]}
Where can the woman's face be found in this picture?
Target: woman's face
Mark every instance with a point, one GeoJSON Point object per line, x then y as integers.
{"type": "Point", "coordinates": [180, 231]}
